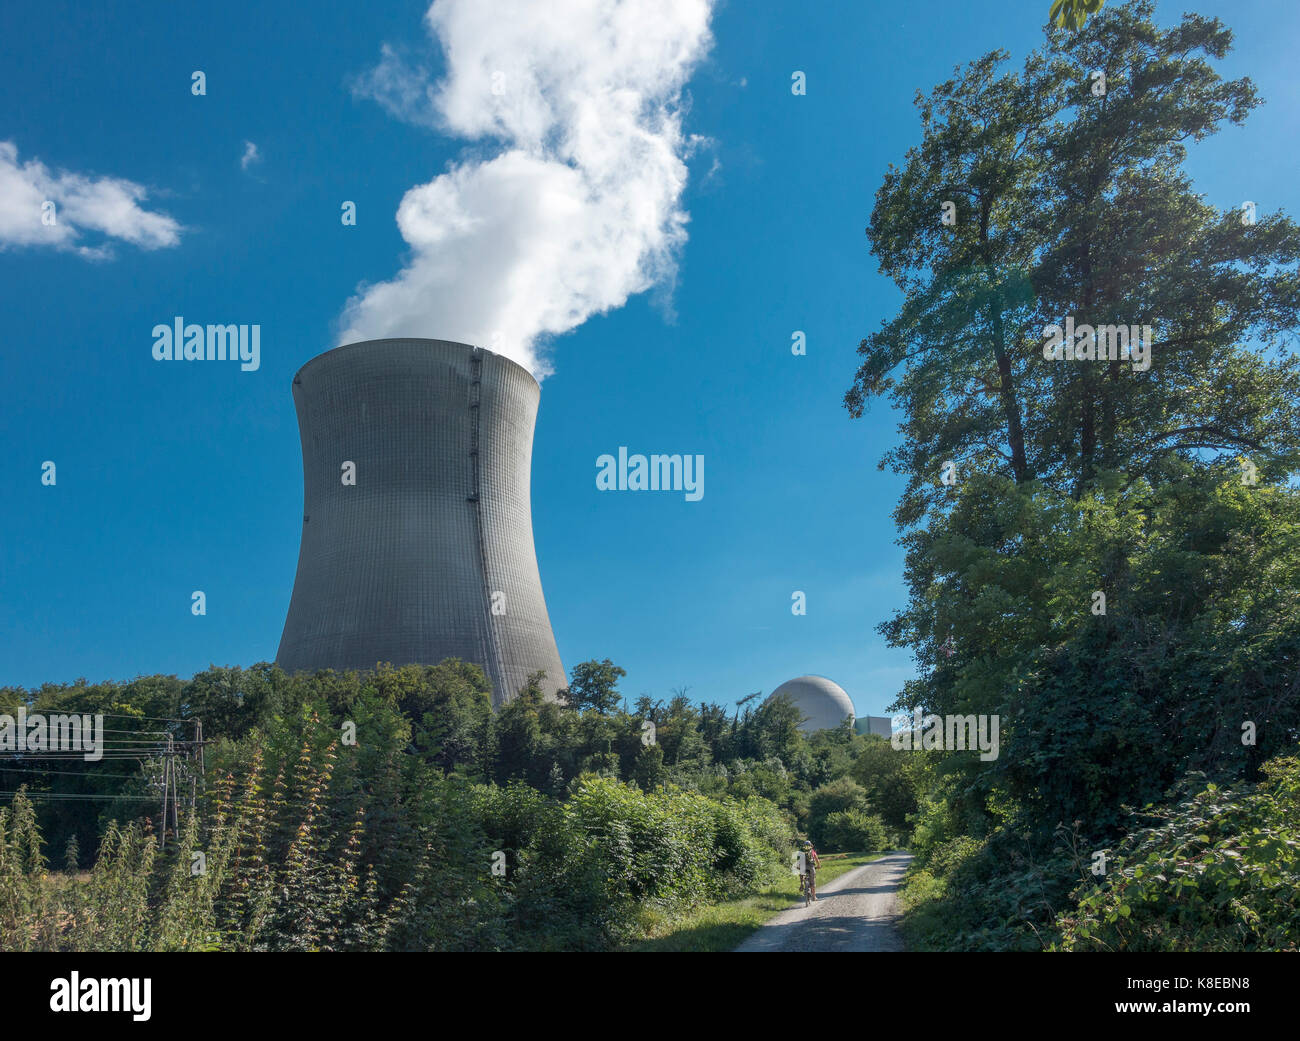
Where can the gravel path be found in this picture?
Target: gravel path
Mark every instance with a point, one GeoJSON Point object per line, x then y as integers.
{"type": "Point", "coordinates": [856, 912]}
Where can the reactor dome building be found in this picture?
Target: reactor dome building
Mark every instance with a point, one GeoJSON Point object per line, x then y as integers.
{"type": "Point", "coordinates": [417, 533]}
{"type": "Point", "coordinates": [824, 703]}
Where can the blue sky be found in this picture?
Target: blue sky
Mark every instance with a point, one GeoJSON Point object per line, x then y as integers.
{"type": "Point", "coordinates": [176, 478]}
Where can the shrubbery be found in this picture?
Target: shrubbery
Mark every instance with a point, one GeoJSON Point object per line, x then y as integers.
{"type": "Point", "coordinates": [854, 830]}
{"type": "Point", "coordinates": [310, 845]}
{"type": "Point", "coordinates": [1220, 872]}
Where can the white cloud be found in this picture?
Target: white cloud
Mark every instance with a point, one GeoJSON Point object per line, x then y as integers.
{"type": "Point", "coordinates": [578, 208]}
{"type": "Point", "coordinates": [251, 155]}
{"type": "Point", "coordinates": [109, 206]}
{"type": "Point", "coordinates": [402, 89]}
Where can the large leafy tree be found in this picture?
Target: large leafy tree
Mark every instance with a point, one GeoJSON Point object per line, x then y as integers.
{"type": "Point", "coordinates": [1057, 191]}
{"type": "Point", "coordinates": [594, 686]}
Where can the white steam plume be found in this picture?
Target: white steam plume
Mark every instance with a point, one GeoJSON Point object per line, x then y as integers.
{"type": "Point", "coordinates": [580, 207]}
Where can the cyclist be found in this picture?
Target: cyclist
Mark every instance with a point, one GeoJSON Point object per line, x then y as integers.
{"type": "Point", "coordinates": [810, 864]}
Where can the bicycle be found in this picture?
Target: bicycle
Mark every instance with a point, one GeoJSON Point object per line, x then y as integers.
{"type": "Point", "coordinates": [805, 887]}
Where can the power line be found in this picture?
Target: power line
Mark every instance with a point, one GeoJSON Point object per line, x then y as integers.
{"type": "Point", "coordinates": [116, 745]}
{"type": "Point", "coordinates": [108, 742]}
{"type": "Point", "coordinates": [51, 711]}
{"type": "Point", "coordinates": [25, 757]}
{"type": "Point", "coordinates": [66, 773]}
{"type": "Point", "coordinates": [63, 796]}
{"type": "Point", "coordinates": [130, 749]}
{"type": "Point", "coordinates": [131, 741]}
{"type": "Point", "coordinates": [166, 749]}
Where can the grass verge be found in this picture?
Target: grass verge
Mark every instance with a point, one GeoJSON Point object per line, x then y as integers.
{"type": "Point", "coordinates": [721, 927]}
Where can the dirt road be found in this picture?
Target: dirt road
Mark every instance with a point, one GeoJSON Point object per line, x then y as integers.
{"type": "Point", "coordinates": [856, 912]}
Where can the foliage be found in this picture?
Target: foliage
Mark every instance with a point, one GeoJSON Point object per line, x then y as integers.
{"type": "Point", "coordinates": [1220, 872]}
{"type": "Point", "coordinates": [854, 829]}
{"type": "Point", "coordinates": [1072, 14]}
{"type": "Point", "coordinates": [1169, 490]}
{"type": "Point", "coordinates": [309, 844]}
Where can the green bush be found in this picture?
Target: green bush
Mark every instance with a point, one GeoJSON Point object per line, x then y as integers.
{"type": "Point", "coordinates": [839, 796]}
{"type": "Point", "coordinates": [312, 847]}
{"type": "Point", "coordinates": [854, 830]}
{"type": "Point", "coordinates": [1221, 872]}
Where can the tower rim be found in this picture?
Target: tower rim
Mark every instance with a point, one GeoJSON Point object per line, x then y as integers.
{"type": "Point", "coordinates": [355, 344]}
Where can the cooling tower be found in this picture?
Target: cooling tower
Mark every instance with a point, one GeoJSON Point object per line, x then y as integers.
{"type": "Point", "coordinates": [422, 549]}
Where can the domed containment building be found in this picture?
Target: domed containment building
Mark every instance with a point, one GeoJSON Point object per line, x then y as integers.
{"type": "Point", "coordinates": [823, 702]}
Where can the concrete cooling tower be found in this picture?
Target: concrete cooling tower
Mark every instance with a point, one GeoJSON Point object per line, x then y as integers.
{"type": "Point", "coordinates": [417, 531]}
{"type": "Point", "coordinates": [824, 703]}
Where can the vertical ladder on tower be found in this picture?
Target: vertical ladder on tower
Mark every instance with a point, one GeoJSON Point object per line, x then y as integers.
{"type": "Point", "coordinates": [475, 399]}
{"type": "Point", "coordinates": [475, 392]}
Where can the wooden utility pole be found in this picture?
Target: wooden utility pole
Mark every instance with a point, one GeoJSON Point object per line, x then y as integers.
{"type": "Point", "coordinates": [170, 795]}
{"type": "Point", "coordinates": [166, 778]}
{"type": "Point", "coordinates": [203, 774]}
{"type": "Point", "coordinates": [196, 774]}
{"type": "Point", "coordinates": [171, 755]}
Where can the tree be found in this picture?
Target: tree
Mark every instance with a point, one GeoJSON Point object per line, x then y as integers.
{"type": "Point", "coordinates": [649, 772]}
{"type": "Point", "coordinates": [839, 796]}
{"type": "Point", "coordinates": [1057, 192]}
{"type": "Point", "coordinates": [772, 729]}
{"type": "Point", "coordinates": [887, 781]}
{"type": "Point", "coordinates": [594, 685]}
